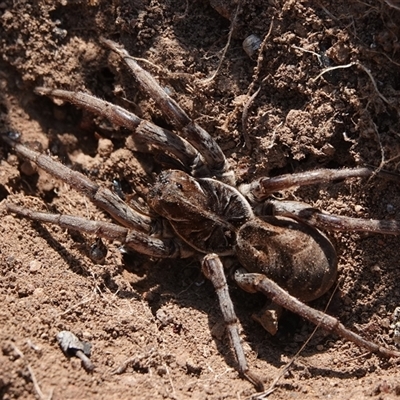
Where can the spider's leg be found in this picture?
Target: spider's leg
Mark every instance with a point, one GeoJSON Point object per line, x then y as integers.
{"type": "Point", "coordinates": [214, 270]}
{"type": "Point", "coordinates": [144, 131]}
{"type": "Point", "coordinates": [192, 132]}
{"type": "Point", "coordinates": [130, 238]}
{"type": "Point", "coordinates": [322, 220]}
{"type": "Point", "coordinates": [252, 283]}
{"type": "Point", "coordinates": [102, 197]}
{"type": "Point", "coordinates": [262, 188]}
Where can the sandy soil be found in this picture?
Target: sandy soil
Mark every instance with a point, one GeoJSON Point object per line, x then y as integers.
{"type": "Point", "coordinates": [161, 315]}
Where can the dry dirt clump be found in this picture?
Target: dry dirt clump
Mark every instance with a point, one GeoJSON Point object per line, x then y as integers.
{"type": "Point", "coordinates": [157, 319]}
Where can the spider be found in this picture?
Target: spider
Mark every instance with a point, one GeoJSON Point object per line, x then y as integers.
{"type": "Point", "coordinates": [196, 210]}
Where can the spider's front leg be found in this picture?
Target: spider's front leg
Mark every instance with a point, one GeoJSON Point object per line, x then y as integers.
{"type": "Point", "coordinates": [213, 270]}
{"type": "Point", "coordinates": [187, 128]}
{"type": "Point", "coordinates": [191, 146]}
{"type": "Point", "coordinates": [157, 140]}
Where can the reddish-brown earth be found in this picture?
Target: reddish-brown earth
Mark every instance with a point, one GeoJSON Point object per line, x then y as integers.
{"type": "Point", "coordinates": [160, 314]}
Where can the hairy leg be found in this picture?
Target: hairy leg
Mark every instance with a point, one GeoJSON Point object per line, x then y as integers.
{"type": "Point", "coordinates": [252, 283]}
{"type": "Point", "coordinates": [213, 269]}
{"type": "Point", "coordinates": [322, 220]}
{"type": "Point", "coordinates": [131, 239]}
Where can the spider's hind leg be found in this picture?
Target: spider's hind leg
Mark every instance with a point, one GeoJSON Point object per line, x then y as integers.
{"type": "Point", "coordinates": [253, 282]}
{"type": "Point", "coordinates": [213, 270]}
{"type": "Point", "coordinates": [322, 220]}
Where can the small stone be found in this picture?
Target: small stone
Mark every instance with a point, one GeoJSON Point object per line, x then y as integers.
{"type": "Point", "coordinates": [375, 268]}
{"type": "Point", "coordinates": [390, 208]}
{"type": "Point", "coordinates": [71, 345]}
{"type": "Point", "coordinates": [192, 367]}
{"type": "Point", "coordinates": [87, 336]}
{"type": "Point", "coordinates": [38, 292]}
{"type": "Point", "coordinates": [161, 370]}
{"type": "Point", "coordinates": [28, 168]}
{"type": "Point", "coordinates": [251, 45]}
{"type": "Point", "coordinates": [105, 147]}
{"type": "Point", "coordinates": [35, 266]}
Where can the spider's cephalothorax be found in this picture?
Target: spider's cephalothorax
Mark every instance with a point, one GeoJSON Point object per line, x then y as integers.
{"type": "Point", "coordinates": [282, 253]}
{"type": "Point", "coordinates": [205, 213]}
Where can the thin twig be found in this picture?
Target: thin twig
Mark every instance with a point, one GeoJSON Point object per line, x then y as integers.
{"type": "Point", "coordinates": [180, 17]}
{"type": "Point", "coordinates": [35, 383]}
{"type": "Point", "coordinates": [248, 100]}
{"type": "Point", "coordinates": [245, 113]}
{"type": "Point", "coordinates": [378, 138]}
{"type": "Point", "coordinates": [308, 51]}
{"type": "Point", "coordinates": [286, 367]}
{"type": "Point", "coordinates": [84, 301]}
{"type": "Point", "coordinates": [324, 71]}
{"type": "Point", "coordinates": [225, 49]}
{"type": "Point", "coordinates": [365, 69]}
{"type": "Point", "coordinates": [32, 374]}
{"type": "Point", "coordinates": [390, 4]}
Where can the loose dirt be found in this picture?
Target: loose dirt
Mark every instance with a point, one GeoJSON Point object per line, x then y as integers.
{"type": "Point", "coordinates": [161, 319]}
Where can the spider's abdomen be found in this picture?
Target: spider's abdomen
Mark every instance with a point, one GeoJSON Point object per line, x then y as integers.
{"type": "Point", "coordinates": [205, 213]}
{"type": "Point", "coordinates": [298, 257]}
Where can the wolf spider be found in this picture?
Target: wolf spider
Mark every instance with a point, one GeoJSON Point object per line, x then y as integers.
{"type": "Point", "coordinates": [196, 210]}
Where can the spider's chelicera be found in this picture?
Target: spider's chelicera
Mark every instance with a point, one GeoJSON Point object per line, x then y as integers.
{"type": "Point", "coordinates": [199, 212]}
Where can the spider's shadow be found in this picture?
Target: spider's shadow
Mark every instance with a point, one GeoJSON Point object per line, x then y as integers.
{"type": "Point", "coordinates": [182, 282]}
{"type": "Point", "coordinates": [177, 282]}
{"type": "Point", "coordinates": [74, 263]}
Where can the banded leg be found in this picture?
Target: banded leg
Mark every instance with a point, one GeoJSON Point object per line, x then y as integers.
{"type": "Point", "coordinates": [260, 189]}
{"type": "Point", "coordinates": [131, 239]}
{"type": "Point", "coordinates": [101, 197]}
{"type": "Point", "coordinates": [322, 220]}
{"type": "Point", "coordinates": [252, 283]}
{"type": "Point", "coordinates": [145, 132]}
{"type": "Point", "coordinates": [214, 270]}
{"type": "Point", "coordinates": [192, 132]}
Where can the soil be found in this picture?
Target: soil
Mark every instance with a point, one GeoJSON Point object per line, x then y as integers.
{"type": "Point", "coordinates": [155, 326]}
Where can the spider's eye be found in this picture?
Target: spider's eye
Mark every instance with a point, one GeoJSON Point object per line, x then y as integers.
{"type": "Point", "coordinates": [179, 186]}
